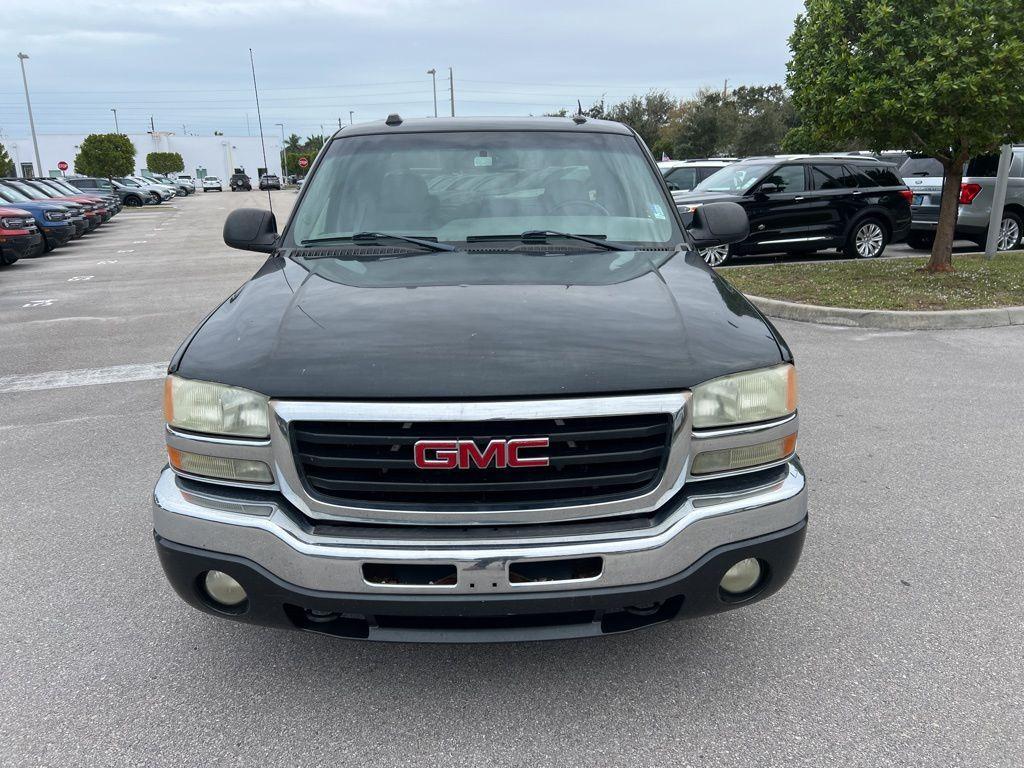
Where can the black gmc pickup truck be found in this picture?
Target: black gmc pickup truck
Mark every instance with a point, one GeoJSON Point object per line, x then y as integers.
{"type": "Point", "coordinates": [483, 388]}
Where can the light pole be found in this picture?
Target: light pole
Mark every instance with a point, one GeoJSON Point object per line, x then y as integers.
{"type": "Point", "coordinates": [451, 86]}
{"type": "Point", "coordinates": [433, 76]}
{"type": "Point", "coordinates": [351, 119]}
{"type": "Point", "coordinates": [31, 121]}
{"type": "Point", "coordinates": [284, 153]}
{"type": "Point", "coordinates": [116, 129]}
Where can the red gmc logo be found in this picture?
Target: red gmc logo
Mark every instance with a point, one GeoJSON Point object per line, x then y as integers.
{"type": "Point", "coordinates": [464, 454]}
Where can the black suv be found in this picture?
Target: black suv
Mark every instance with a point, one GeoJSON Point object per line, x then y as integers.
{"type": "Point", "coordinates": [240, 181]}
{"type": "Point", "coordinates": [804, 204]}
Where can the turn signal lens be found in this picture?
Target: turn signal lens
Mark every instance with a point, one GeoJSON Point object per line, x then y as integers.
{"type": "Point", "coordinates": [744, 457]}
{"type": "Point", "coordinates": [745, 398]}
{"type": "Point", "coordinates": [241, 470]}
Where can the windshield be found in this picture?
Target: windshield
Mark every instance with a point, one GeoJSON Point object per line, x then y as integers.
{"type": "Point", "coordinates": [735, 178]}
{"type": "Point", "coordinates": [464, 185]}
{"type": "Point", "coordinates": [10, 194]}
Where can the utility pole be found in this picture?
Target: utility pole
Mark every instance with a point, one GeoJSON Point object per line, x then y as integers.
{"type": "Point", "coordinates": [152, 127]}
{"type": "Point", "coordinates": [339, 123]}
{"type": "Point", "coordinates": [117, 130]}
{"type": "Point", "coordinates": [433, 76]}
{"type": "Point", "coordinates": [31, 120]}
{"type": "Point", "coordinates": [248, 131]}
{"type": "Point", "coordinates": [451, 88]}
{"type": "Point", "coordinates": [725, 90]}
{"type": "Point", "coordinates": [351, 118]}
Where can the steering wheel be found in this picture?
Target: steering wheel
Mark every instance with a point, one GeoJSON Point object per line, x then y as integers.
{"type": "Point", "coordinates": [590, 203]}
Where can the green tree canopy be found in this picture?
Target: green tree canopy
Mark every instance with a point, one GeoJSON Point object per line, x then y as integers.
{"type": "Point", "coordinates": [165, 162]}
{"type": "Point", "coordinates": [941, 78]}
{"type": "Point", "coordinates": [6, 164]}
{"type": "Point", "coordinates": [293, 143]}
{"type": "Point", "coordinates": [106, 154]}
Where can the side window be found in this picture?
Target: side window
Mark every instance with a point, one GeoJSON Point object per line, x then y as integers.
{"type": "Point", "coordinates": [85, 183]}
{"type": "Point", "coordinates": [682, 178]}
{"type": "Point", "coordinates": [983, 165]}
{"type": "Point", "coordinates": [828, 177]}
{"type": "Point", "coordinates": [788, 178]}
{"type": "Point", "coordinates": [1017, 166]}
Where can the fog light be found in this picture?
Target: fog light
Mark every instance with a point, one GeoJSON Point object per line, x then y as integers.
{"type": "Point", "coordinates": [742, 577]}
{"type": "Point", "coordinates": [223, 589]}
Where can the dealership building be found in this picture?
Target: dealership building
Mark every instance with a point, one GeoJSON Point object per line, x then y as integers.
{"type": "Point", "coordinates": [203, 155]}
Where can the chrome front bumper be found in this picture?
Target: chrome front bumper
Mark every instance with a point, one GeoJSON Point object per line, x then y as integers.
{"type": "Point", "coordinates": [265, 533]}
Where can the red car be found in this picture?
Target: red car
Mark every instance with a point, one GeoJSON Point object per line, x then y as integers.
{"type": "Point", "coordinates": [19, 235]}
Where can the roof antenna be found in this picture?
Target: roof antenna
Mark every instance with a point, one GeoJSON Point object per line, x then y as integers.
{"type": "Point", "coordinates": [259, 117]}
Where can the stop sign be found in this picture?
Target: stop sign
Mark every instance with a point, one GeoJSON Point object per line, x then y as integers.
{"type": "Point", "coordinates": [62, 166]}
{"type": "Point", "coordinates": [303, 162]}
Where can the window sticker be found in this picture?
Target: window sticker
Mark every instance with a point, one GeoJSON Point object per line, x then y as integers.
{"type": "Point", "coordinates": [657, 211]}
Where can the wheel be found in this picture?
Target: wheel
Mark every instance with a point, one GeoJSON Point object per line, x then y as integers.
{"type": "Point", "coordinates": [1010, 230]}
{"type": "Point", "coordinates": [715, 256]}
{"type": "Point", "coordinates": [867, 240]}
{"type": "Point", "coordinates": [155, 197]}
{"type": "Point", "coordinates": [920, 241]}
{"type": "Point", "coordinates": [6, 259]}
{"type": "Point", "coordinates": [133, 201]}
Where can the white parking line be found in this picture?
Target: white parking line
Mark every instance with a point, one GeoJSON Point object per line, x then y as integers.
{"type": "Point", "coordinates": [82, 377]}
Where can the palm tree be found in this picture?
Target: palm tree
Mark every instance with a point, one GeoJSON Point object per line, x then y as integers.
{"type": "Point", "coordinates": [294, 143]}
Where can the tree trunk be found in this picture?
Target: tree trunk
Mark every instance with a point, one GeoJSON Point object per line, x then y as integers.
{"type": "Point", "coordinates": [942, 249]}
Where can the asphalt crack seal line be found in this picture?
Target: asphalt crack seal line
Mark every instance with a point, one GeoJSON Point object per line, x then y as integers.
{"type": "Point", "coordinates": [84, 377]}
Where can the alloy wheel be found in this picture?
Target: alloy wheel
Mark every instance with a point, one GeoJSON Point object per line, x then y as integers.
{"type": "Point", "coordinates": [1009, 234]}
{"type": "Point", "coordinates": [870, 240]}
{"type": "Point", "coordinates": [715, 256]}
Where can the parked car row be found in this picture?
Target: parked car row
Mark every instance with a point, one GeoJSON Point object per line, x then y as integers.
{"type": "Point", "coordinates": [856, 202]}
{"type": "Point", "coordinates": [39, 215]}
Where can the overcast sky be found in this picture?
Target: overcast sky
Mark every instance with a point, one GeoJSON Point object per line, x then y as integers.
{"type": "Point", "coordinates": [186, 62]}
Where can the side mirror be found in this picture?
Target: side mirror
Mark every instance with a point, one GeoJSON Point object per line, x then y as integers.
{"type": "Point", "coordinates": [719, 224]}
{"type": "Point", "coordinates": [251, 229]}
{"type": "Point", "coordinates": [767, 189]}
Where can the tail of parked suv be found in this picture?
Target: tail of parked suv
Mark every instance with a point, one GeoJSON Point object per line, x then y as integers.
{"type": "Point", "coordinates": [924, 176]}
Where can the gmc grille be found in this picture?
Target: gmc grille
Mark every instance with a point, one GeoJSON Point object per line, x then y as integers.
{"type": "Point", "coordinates": [591, 459]}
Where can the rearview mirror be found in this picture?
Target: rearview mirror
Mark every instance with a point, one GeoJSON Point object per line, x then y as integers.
{"type": "Point", "coordinates": [718, 224]}
{"type": "Point", "coordinates": [251, 229]}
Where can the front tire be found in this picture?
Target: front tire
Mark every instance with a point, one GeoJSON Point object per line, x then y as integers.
{"type": "Point", "coordinates": [867, 240]}
{"type": "Point", "coordinates": [715, 256]}
{"type": "Point", "coordinates": [7, 259]}
{"type": "Point", "coordinates": [134, 201]}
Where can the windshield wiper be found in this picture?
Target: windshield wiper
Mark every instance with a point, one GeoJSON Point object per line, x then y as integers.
{"type": "Point", "coordinates": [372, 237]}
{"type": "Point", "coordinates": [543, 235]}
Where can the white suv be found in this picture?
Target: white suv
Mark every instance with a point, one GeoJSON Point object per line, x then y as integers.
{"type": "Point", "coordinates": [684, 175]}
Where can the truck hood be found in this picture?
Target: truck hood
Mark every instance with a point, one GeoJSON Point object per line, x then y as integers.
{"type": "Point", "coordinates": [292, 333]}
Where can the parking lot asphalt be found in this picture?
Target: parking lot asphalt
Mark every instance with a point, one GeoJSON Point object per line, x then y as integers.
{"type": "Point", "coordinates": [898, 641]}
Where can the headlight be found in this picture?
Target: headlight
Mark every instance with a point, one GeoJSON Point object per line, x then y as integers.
{"type": "Point", "coordinates": [203, 406]}
{"type": "Point", "coordinates": [745, 398]}
{"type": "Point", "coordinates": [55, 215]}
{"type": "Point", "coordinates": [12, 223]}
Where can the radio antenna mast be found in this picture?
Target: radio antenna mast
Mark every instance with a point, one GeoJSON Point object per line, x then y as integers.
{"type": "Point", "coordinates": [259, 117]}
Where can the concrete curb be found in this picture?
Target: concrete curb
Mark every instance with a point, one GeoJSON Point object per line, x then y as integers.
{"type": "Point", "coordinates": [894, 320]}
